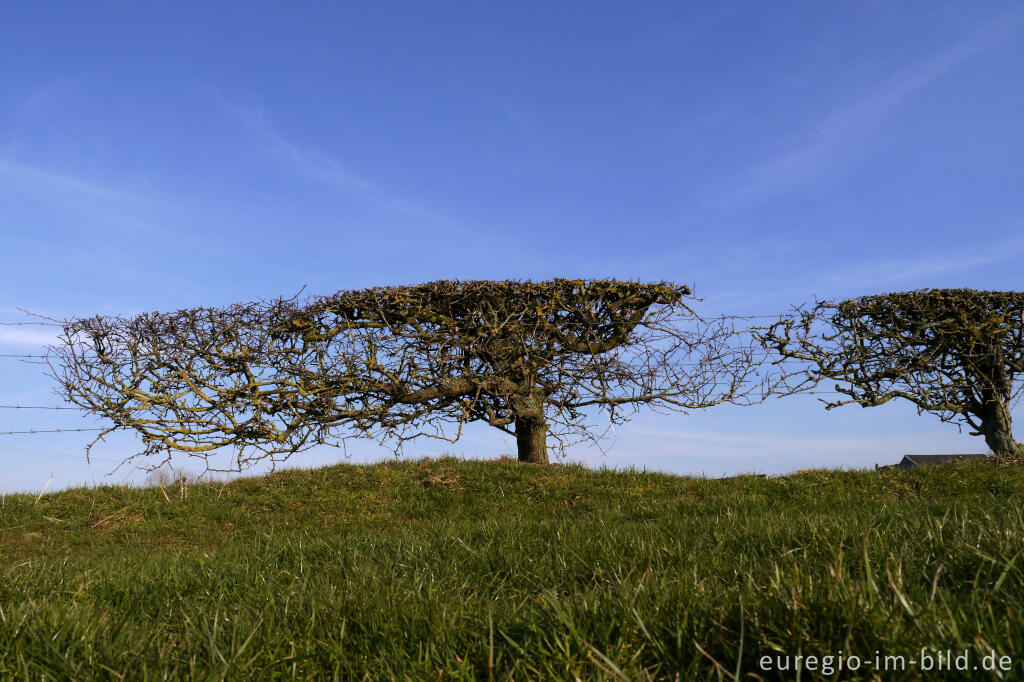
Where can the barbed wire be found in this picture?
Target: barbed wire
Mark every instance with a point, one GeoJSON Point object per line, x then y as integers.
{"type": "Point", "coordinates": [38, 324]}
{"type": "Point", "coordinates": [63, 455]}
{"type": "Point", "coordinates": [21, 355]}
{"type": "Point", "coordinates": [37, 407]}
{"type": "Point", "coordinates": [11, 433]}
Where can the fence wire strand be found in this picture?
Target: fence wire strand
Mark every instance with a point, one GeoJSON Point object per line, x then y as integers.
{"type": "Point", "coordinates": [38, 407]}
{"type": "Point", "coordinates": [37, 324]}
{"type": "Point", "coordinates": [10, 433]}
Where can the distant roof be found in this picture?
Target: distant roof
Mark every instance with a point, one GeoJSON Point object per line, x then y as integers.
{"type": "Point", "coordinates": [932, 460]}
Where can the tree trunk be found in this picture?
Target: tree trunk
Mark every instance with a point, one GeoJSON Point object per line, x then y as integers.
{"type": "Point", "coordinates": [997, 427]}
{"type": "Point", "coordinates": [531, 438]}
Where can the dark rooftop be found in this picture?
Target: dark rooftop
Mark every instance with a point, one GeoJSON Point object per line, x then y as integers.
{"type": "Point", "coordinates": [910, 461]}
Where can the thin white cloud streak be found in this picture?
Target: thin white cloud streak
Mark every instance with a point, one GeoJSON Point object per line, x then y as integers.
{"type": "Point", "coordinates": [307, 162]}
{"type": "Point", "coordinates": [821, 148]}
{"type": "Point", "coordinates": [33, 177]}
{"type": "Point", "coordinates": [110, 203]}
{"type": "Point", "coordinates": [809, 156]}
{"type": "Point", "coordinates": [908, 269]}
{"type": "Point", "coordinates": [322, 167]}
{"type": "Point", "coordinates": [26, 336]}
{"type": "Point", "coordinates": [774, 442]}
{"type": "Point", "coordinates": [836, 280]}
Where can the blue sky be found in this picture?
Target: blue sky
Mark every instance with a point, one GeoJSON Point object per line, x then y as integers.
{"type": "Point", "coordinates": [153, 158]}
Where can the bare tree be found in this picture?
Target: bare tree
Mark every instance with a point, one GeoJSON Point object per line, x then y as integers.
{"type": "Point", "coordinates": [168, 475]}
{"type": "Point", "coordinates": [393, 363]}
{"type": "Point", "coordinates": [957, 353]}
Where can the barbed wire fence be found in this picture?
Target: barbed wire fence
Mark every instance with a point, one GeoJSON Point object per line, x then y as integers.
{"type": "Point", "coordinates": [36, 358]}
{"type": "Point", "coordinates": [41, 359]}
{"type": "Point", "coordinates": [6, 446]}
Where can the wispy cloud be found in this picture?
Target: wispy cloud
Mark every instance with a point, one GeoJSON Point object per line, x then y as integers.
{"type": "Point", "coordinates": [771, 441]}
{"type": "Point", "coordinates": [821, 147]}
{"type": "Point", "coordinates": [308, 162]}
{"type": "Point", "coordinates": [26, 336]}
{"type": "Point", "coordinates": [119, 207]}
{"type": "Point", "coordinates": [937, 264]}
{"type": "Point", "coordinates": [35, 177]}
{"type": "Point", "coordinates": [321, 167]}
{"type": "Point", "coordinates": [916, 271]}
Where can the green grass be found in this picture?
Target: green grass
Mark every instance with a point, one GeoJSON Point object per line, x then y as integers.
{"type": "Point", "coordinates": [477, 570]}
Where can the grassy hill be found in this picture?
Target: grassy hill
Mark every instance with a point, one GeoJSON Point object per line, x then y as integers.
{"type": "Point", "coordinates": [495, 570]}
